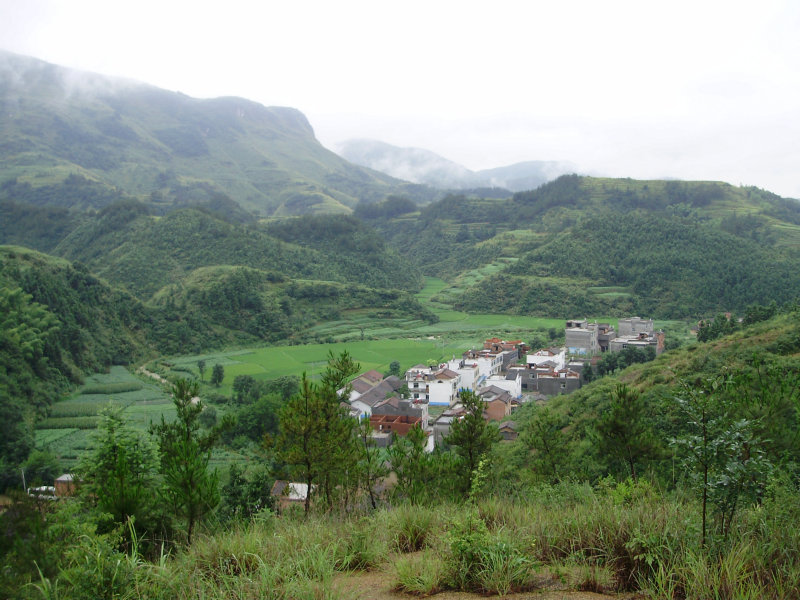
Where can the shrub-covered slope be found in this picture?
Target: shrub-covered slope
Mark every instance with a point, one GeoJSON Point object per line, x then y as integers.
{"type": "Point", "coordinates": [583, 245]}
{"type": "Point", "coordinates": [127, 246]}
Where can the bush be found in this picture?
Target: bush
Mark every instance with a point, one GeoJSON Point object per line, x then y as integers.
{"type": "Point", "coordinates": [486, 564]}
{"type": "Point", "coordinates": [413, 528]}
{"type": "Point", "coordinates": [419, 574]}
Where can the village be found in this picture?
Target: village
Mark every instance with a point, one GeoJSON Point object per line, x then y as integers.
{"type": "Point", "coordinates": [503, 374]}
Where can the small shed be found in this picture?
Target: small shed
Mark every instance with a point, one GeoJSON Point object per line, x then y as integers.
{"type": "Point", "coordinates": [288, 493]}
{"type": "Point", "coordinates": [65, 485]}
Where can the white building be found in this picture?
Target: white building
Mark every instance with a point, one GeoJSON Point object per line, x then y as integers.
{"type": "Point", "coordinates": [439, 387]}
{"type": "Point", "coordinates": [557, 357]}
{"type": "Point", "coordinates": [488, 363]}
{"type": "Point", "coordinates": [511, 383]}
{"type": "Point", "coordinates": [468, 371]}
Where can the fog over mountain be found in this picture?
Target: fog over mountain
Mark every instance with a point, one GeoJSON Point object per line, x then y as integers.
{"type": "Point", "coordinates": [83, 140]}
{"type": "Point", "coordinates": [418, 165]}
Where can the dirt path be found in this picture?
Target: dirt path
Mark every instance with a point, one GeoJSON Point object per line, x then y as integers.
{"type": "Point", "coordinates": [376, 585]}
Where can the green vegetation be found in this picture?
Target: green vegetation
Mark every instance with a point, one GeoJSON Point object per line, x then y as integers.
{"type": "Point", "coordinates": [673, 477]}
{"type": "Point", "coordinates": [565, 537]}
{"type": "Point", "coordinates": [708, 510]}
{"type": "Point", "coordinates": [78, 149]}
{"type": "Point", "coordinates": [129, 247]}
{"type": "Point", "coordinates": [189, 489]}
{"type": "Point", "coordinates": [583, 245]}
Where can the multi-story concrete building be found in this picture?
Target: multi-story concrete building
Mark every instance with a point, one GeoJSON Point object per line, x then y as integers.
{"type": "Point", "coordinates": [548, 381]}
{"type": "Point", "coordinates": [634, 326]}
{"type": "Point", "coordinates": [488, 362]}
{"type": "Point", "coordinates": [468, 371]}
{"type": "Point", "coordinates": [436, 386]}
{"type": "Point", "coordinates": [588, 339]}
{"type": "Point", "coordinates": [554, 357]}
{"type": "Point", "coordinates": [642, 340]}
{"type": "Point", "coordinates": [581, 338]}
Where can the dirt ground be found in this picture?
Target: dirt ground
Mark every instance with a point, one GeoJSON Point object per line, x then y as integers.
{"type": "Point", "coordinates": [376, 585]}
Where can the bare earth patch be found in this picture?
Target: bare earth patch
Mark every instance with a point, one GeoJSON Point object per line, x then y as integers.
{"type": "Point", "coordinates": [376, 585]}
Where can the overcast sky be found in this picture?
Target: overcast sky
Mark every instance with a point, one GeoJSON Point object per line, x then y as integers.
{"type": "Point", "coordinates": [694, 90]}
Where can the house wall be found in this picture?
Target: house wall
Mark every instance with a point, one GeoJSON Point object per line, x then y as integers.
{"type": "Point", "coordinates": [553, 386]}
{"type": "Point", "coordinates": [395, 424]}
{"type": "Point", "coordinates": [442, 392]}
{"type": "Point", "coordinates": [441, 429]}
{"type": "Point", "coordinates": [496, 410]}
{"type": "Point", "coordinates": [364, 409]}
{"type": "Point", "coordinates": [512, 386]}
{"type": "Point", "coordinates": [581, 341]}
{"type": "Point", "coordinates": [559, 359]}
{"type": "Point", "coordinates": [467, 371]}
{"type": "Point", "coordinates": [634, 326]}
{"type": "Point", "coordinates": [405, 408]}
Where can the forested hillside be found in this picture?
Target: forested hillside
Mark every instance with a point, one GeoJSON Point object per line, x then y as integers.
{"type": "Point", "coordinates": [583, 245]}
{"type": "Point", "coordinates": [59, 323]}
{"type": "Point", "coordinates": [128, 246]}
{"type": "Point", "coordinates": [81, 140]}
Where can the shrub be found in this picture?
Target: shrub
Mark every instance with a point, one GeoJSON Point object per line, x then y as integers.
{"type": "Point", "coordinates": [481, 563]}
{"type": "Point", "coordinates": [413, 528]}
{"type": "Point", "coordinates": [419, 574]}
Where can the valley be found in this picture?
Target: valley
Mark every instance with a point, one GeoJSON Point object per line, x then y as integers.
{"type": "Point", "coordinates": [171, 267]}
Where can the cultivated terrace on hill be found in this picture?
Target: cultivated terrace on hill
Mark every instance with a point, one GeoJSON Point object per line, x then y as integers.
{"type": "Point", "coordinates": [583, 245]}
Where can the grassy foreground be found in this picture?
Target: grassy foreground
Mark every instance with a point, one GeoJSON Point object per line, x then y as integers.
{"type": "Point", "coordinates": [568, 537]}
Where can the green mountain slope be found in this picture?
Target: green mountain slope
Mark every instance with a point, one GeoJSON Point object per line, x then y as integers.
{"type": "Point", "coordinates": [129, 247]}
{"type": "Point", "coordinates": [81, 140]}
{"type": "Point", "coordinates": [59, 321]}
{"type": "Point", "coordinates": [759, 365]}
{"type": "Point", "coordinates": [584, 245]}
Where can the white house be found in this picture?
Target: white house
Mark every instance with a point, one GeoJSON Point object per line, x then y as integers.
{"type": "Point", "coordinates": [488, 363]}
{"type": "Point", "coordinates": [556, 356]}
{"type": "Point", "coordinates": [468, 371]}
{"type": "Point", "coordinates": [438, 387]}
{"type": "Point", "coordinates": [511, 382]}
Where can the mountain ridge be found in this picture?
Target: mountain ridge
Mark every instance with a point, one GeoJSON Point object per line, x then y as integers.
{"type": "Point", "coordinates": [129, 139]}
{"type": "Point", "coordinates": [422, 166]}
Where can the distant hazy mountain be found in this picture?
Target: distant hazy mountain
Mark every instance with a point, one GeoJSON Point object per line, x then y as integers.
{"type": "Point", "coordinates": [81, 140]}
{"type": "Point", "coordinates": [423, 166]}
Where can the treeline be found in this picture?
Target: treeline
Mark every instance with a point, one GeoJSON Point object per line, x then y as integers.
{"type": "Point", "coordinates": [675, 267]}
{"type": "Point", "coordinates": [675, 249]}
{"type": "Point", "coordinates": [274, 308]}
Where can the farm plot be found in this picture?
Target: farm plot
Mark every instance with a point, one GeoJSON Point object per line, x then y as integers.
{"type": "Point", "coordinates": [69, 429]}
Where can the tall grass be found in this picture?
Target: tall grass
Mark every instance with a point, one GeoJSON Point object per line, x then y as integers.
{"type": "Point", "coordinates": [590, 540]}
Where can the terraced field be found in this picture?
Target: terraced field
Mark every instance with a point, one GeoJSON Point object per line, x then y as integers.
{"type": "Point", "coordinates": [70, 428]}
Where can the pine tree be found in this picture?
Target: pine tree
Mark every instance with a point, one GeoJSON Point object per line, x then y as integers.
{"type": "Point", "coordinates": [119, 473]}
{"type": "Point", "coordinates": [317, 439]}
{"type": "Point", "coordinates": [623, 431]}
{"type": "Point", "coordinates": [472, 436]}
{"type": "Point", "coordinates": [189, 488]}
